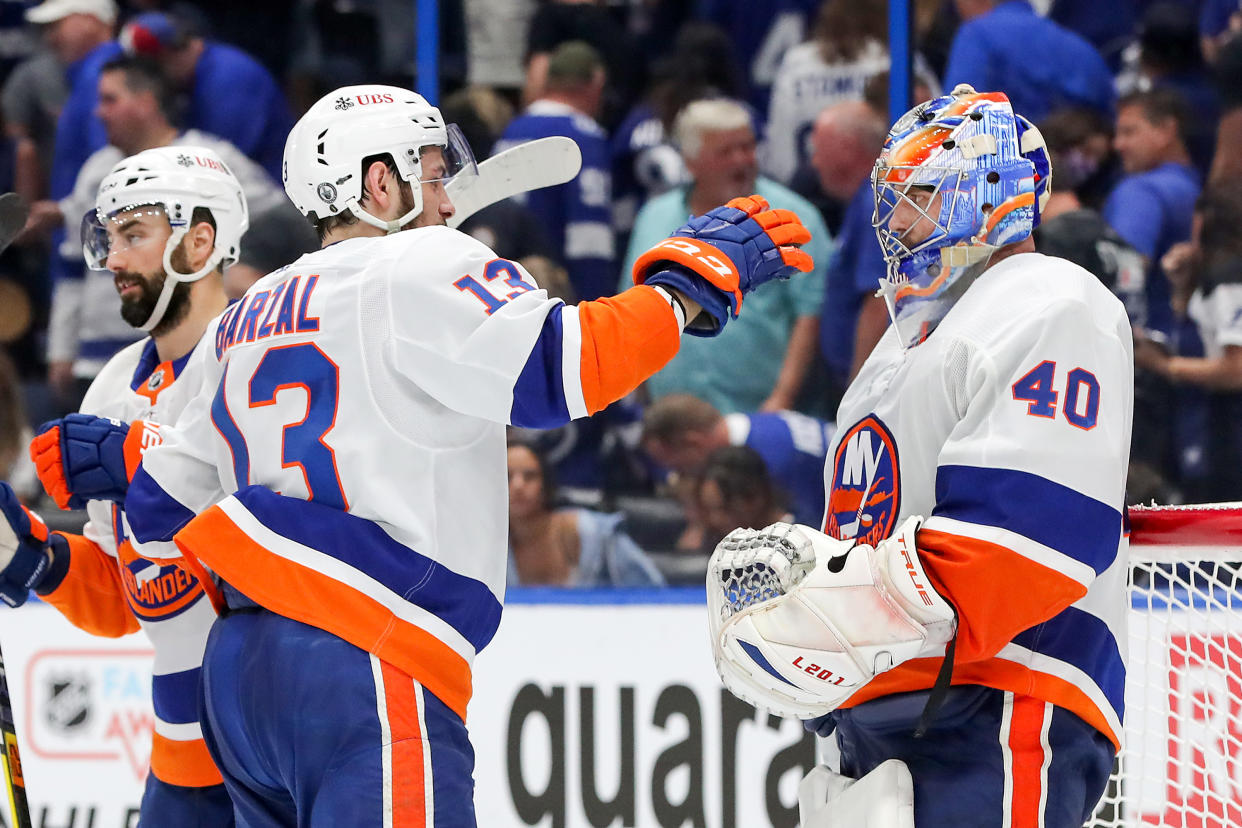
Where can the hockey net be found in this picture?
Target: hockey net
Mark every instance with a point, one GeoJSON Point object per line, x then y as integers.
{"type": "Point", "coordinates": [1181, 765]}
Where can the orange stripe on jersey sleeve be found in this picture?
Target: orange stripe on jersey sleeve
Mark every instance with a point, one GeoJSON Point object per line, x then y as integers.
{"type": "Point", "coordinates": [997, 592]}
{"type": "Point", "coordinates": [625, 339]}
{"type": "Point", "coordinates": [187, 764]}
{"type": "Point", "coordinates": [92, 594]}
{"type": "Point", "coordinates": [920, 674]}
{"type": "Point", "coordinates": [301, 593]}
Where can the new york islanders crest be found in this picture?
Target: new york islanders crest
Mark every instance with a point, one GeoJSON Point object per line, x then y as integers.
{"type": "Point", "coordinates": [155, 592]}
{"type": "Point", "coordinates": [864, 495]}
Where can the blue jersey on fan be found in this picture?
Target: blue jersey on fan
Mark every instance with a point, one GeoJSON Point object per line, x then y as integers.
{"type": "Point", "coordinates": [793, 446]}
{"type": "Point", "coordinates": [761, 33]}
{"type": "Point", "coordinates": [578, 215]}
{"type": "Point", "coordinates": [1152, 211]}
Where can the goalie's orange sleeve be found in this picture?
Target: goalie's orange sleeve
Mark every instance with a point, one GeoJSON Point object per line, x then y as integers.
{"type": "Point", "coordinates": [92, 594]}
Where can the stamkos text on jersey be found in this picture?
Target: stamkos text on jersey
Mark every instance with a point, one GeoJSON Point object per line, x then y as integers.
{"type": "Point", "coordinates": [286, 313]}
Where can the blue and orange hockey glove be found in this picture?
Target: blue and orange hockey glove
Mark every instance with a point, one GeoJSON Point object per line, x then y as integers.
{"type": "Point", "coordinates": [80, 457]}
{"type": "Point", "coordinates": [30, 556]}
{"type": "Point", "coordinates": [717, 258]}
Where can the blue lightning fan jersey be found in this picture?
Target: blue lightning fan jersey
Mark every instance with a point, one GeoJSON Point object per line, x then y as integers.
{"type": "Point", "coordinates": [793, 447]}
{"type": "Point", "coordinates": [576, 215]}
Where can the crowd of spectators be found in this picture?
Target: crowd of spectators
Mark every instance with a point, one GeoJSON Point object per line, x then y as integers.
{"type": "Point", "coordinates": [678, 106]}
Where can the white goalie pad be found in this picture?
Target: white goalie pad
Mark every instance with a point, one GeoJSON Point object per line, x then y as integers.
{"type": "Point", "coordinates": [800, 621]}
{"type": "Point", "coordinates": [883, 798]}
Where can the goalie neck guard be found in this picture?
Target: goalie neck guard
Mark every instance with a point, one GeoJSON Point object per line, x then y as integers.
{"type": "Point", "coordinates": [325, 150]}
{"type": "Point", "coordinates": [959, 176]}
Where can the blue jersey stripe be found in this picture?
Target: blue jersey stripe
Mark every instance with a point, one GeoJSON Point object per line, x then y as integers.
{"type": "Point", "coordinates": [174, 696]}
{"type": "Point", "coordinates": [539, 393]}
{"type": "Point", "coordinates": [465, 604]}
{"type": "Point", "coordinates": [153, 514]}
{"type": "Point", "coordinates": [1084, 641]}
{"type": "Point", "coordinates": [1048, 513]}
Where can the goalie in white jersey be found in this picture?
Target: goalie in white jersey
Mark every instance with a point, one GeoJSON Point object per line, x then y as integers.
{"type": "Point", "coordinates": [347, 456]}
{"type": "Point", "coordinates": [971, 623]}
{"type": "Point", "coordinates": [178, 214]}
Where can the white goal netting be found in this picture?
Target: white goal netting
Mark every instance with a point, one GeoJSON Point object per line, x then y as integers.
{"type": "Point", "coordinates": [1181, 765]}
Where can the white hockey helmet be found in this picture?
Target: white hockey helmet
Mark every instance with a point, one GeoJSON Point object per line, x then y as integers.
{"type": "Point", "coordinates": [175, 180]}
{"type": "Point", "coordinates": [324, 152]}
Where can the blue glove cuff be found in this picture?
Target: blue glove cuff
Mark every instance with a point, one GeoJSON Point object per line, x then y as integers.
{"type": "Point", "coordinates": [711, 299]}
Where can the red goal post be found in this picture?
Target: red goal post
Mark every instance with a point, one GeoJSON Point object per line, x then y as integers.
{"type": "Point", "coordinates": [1181, 763]}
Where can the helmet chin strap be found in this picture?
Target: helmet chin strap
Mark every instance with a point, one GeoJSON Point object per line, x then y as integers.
{"type": "Point", "coordinates": [173, 277]}
{"type": "Point", "coordinates": [389, 227]}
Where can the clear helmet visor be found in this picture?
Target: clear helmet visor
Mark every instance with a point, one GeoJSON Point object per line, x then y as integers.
{"type": "Point", "coordinates": [124, 231]}
{"type": "Point", "coordinates": [441, 163]}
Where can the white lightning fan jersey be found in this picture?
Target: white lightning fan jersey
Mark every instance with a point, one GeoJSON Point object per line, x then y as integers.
{"type": "Point", "coordinates": [108, 585]}
{"type": "Point", "coordinates": [1009, 427]}
{"type": "Point", "coordinates": [356, 403]}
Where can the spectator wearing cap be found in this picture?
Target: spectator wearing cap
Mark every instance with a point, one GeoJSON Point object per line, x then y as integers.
{"type": "Point", "coordinates": [577, 215]}
{"type": "Point", "coordinates": [230, 94]}
{"type": "Point", "coordinates": [1040, 65]}
{"type": "Point", "coordinates": [135, 103]}
{"type": "Point", "coordinates": [36, 90]}
{"type": "Point", "coordinates": [79, 32]}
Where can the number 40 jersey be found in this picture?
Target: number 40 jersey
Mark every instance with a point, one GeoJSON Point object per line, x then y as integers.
{"type": "Point", "coordinates": [1008, 428]}
{"type": "Point", "coordinates": [351, 429]}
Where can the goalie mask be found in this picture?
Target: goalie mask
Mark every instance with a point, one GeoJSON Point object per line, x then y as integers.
{"type": "Point", "coordinates": [959, 176]}
{"type": "Point", "coordinates": [325, 150]}
{"type": "Point", "coordinates": [170, 182]}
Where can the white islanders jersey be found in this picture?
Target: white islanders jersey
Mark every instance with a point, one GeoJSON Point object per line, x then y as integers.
{"type": "Point", "coordinates": [356, 403]}
{"type": "Point", "coordinates": [1009, 430]}
{"type": "Point", "coordinates": [167, 600]}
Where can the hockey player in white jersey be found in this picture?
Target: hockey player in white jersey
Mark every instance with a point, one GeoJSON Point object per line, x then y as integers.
{"type": "Point", "coordinates": [346, 459]}
{"type": "Point", "coordinates": [177, 215]}
{"type": "Point", "coordinates": [960, 619]}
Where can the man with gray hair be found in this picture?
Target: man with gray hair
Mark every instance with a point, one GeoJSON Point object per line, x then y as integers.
{"type": "Point", "coordinates": [845, 140]}
{"type": "Point", "coordinates": [764, 364]}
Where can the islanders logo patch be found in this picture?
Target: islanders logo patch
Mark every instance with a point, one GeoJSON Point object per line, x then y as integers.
{"type": "Point", "coordinates": [865, 494]}
{"type": "Point", "coordinates": [156, 591]}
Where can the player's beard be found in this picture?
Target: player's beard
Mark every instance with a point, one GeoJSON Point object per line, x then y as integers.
{"type": "Point", "coordinates": [422, 219]}
{"type": "Point", "coordinates": [137, 310]}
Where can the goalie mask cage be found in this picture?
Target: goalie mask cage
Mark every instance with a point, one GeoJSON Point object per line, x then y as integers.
{"type": "Point", "coordinates": [1181, 762]}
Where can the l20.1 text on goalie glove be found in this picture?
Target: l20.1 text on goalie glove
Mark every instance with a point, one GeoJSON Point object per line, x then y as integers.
{"type": "Point", "coordinates": [800, 621]}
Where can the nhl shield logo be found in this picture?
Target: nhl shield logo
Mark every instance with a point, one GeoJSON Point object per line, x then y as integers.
{"type": "Point", "coordinates": [156, 379]}
{"type": "Point", "coordinates": [68, 705]}
{"type": "Point", "coordinates": [865, 493]}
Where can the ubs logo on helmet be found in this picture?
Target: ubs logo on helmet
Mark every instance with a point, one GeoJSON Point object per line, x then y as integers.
{"type": "Point", "coordinates": [865, 494]}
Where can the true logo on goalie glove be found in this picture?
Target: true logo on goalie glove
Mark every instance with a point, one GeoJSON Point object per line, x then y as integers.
{"type": "Point", "coordinates": [865, 495]}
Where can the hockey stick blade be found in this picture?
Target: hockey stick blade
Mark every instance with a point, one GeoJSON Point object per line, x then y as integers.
{"type": "Point", "coordinates": [13, 213]}
{"type": "Point", "coordinates": [544, 162]}
{"type": "Point", "coordinates": [14, 782]}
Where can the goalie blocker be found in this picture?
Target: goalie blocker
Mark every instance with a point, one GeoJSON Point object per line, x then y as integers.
{"type": "Point", "coordinates": [799, 621]}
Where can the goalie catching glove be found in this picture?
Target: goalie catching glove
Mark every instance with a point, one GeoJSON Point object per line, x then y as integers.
{"type": "Point", "coordinates": [718, 257]}
{"type": "Point", "coordinates": [800, 621]}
